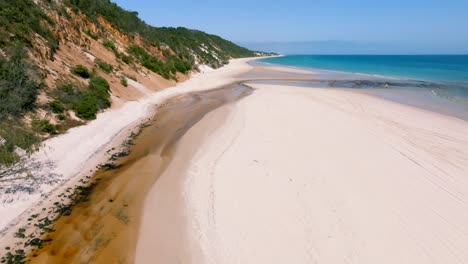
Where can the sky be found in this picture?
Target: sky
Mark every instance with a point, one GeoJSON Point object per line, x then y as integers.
{"type": "Point", "coordinates": [321, 26]}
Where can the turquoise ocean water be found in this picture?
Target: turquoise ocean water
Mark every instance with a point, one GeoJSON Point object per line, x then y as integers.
{"type": "Point", "coordinates": [447, 68]}
{"type": "Point", "coordinates": [433, 82]}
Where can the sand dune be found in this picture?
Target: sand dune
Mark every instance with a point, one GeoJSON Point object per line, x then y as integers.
{"type": "Point", "coordinates": [297, 175]}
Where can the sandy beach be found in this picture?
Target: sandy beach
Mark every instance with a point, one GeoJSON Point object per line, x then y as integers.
{"type": "Point", "coordinates": [221, 173]}
{"type": "Point", "coordinates": [239, 132]}
{"type": "Point", "coordinates": [300, 175]}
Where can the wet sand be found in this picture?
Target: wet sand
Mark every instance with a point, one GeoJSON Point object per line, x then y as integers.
{"type": "Point", "coordinates": [104, 229]}
{"type": "Point", "coordinates": [163, 236]}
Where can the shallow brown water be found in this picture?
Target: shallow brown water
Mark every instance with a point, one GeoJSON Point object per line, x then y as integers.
{"type": "Point", "coordinates": [104, 229]}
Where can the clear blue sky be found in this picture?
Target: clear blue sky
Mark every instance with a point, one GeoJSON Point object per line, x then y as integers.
{"type": "Point", "coordinates": [391, 26]}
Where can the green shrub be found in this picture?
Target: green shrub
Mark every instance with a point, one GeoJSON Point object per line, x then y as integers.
{"type": "Point", "coordinates": [7, 157]}
{"type": "Point", "coordinates": [108, 44]}
{"type": "Point", "coordinates": [18, 92]}
{"type": "Point", "coordinates": [16, 134]}
{"type": "Point", "coordinates": [96, 98]}
{"type": "Point", "coordinates": [180, 65]}
{"type": "Point", "coordinates": [104, 66]}
{"type": "Point", "coordinates": [100, 88]}
{"type": "Point", "coordinates": [126, 59]}
{"type": "Point", "coordinates": [57, 107]}
{"type": "Point", "coordinates": [61, 117]}
{"type": "Point", "coordinates": [81, 71]}
{"type": "Point", "coordinates": [67, 88]}
{"type": "Point", "coordinates": [137, 51]}
{"type": "Point", "coordinates": [44, 126]}
{"type": "Point", "coordinates": [86, 108]}
{"type": "Point", "coordinates": [85, 104]}
{"type": "Point", "coordinates": [124, 81]}
{"type": "Point", "coordinates": [67, 95]}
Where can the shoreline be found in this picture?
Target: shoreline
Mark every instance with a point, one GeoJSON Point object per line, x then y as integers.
{"type": "Point", "coordinates": [441, 96]}
{"type": "Point", "coordinates": [265, 186]}
{"type": "Point", "coordinates": [410, 92]}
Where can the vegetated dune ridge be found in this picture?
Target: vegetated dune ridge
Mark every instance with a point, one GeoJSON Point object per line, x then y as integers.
{"type": "Point", "coordinates": [70, 158]}
{"type": "Point", "coordinates": [300, 175]}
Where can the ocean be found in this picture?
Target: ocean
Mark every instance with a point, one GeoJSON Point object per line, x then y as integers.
{"type": "Point", "coordinates": [433, 82]}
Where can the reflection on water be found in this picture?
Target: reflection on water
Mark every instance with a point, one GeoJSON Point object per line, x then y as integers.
{"type": "Point", "coordinates": [442, 97]}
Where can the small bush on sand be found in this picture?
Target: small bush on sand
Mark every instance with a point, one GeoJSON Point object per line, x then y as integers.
{"type": "Point", "coordinates": [81, 71]}
{"type": "Point", "coordinates": [106, 67]}
{"type": "Point", "coordinates": [44, 126]}
{"type": "Point", "coordinates": [123, 81]}
{"type": "Point", "coordinates": [57, 107]}
{"type": "Point", "coordinates": [96, 98]}
{"type": "Point", "coordinates": [126, 59]}
{"type": "Point", "coordinates": [108, 44]}
{"type": "Point", "coordinates": [86, 108]}
{"type": "Point", "coordinates": [67, 94]}
{"type": "Point", "coordinates": [15, 134]}
{"type": "Point", "coordinates": [111, 46]}
{"type": "Point", "coordinates": [7, 157]}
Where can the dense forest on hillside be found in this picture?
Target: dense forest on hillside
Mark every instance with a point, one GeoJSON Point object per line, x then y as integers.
{"type": "Point", "coordinates": [33, 32]}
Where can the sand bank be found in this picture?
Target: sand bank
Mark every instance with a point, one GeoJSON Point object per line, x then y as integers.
{"type": "Point", "coordinates": [103, 228]}
{"type": "Point", "coordinates": [298, 175]}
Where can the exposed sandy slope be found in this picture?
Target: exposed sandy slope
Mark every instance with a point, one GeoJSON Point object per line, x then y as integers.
{"type": "Point", "coordinates": [69, 157]}
{"type": "Point", "coordinates": [298, 175]}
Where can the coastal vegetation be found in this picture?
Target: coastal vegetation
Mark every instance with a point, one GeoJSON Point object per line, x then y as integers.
{"type": "Point", "coordinates": [104, 66]}
{"type": "Point", "coordinates": [18, 90]}
{"type": "Point", "coordinates": [81, 71]}
{"type": "Point", "coordinates": [167, 68]}
{"type": "Point", "coordinates": [39, 100]}
{"type": "Point", "coordinates": [20, 20]}
{"type": "Point", "coordinates": [123, 81]}
{"type": "Point", "coordinates": [97, 97]}
{"type": "Point", "coordinates": [181, 40]}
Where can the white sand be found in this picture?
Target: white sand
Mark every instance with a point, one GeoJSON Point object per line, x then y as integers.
{"type": "Point", "coordinates": [298, 175]}
{"type": "Point", "coordinates": [140, 87]}
{"type": "Point", "coordinates": [71, 156]}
